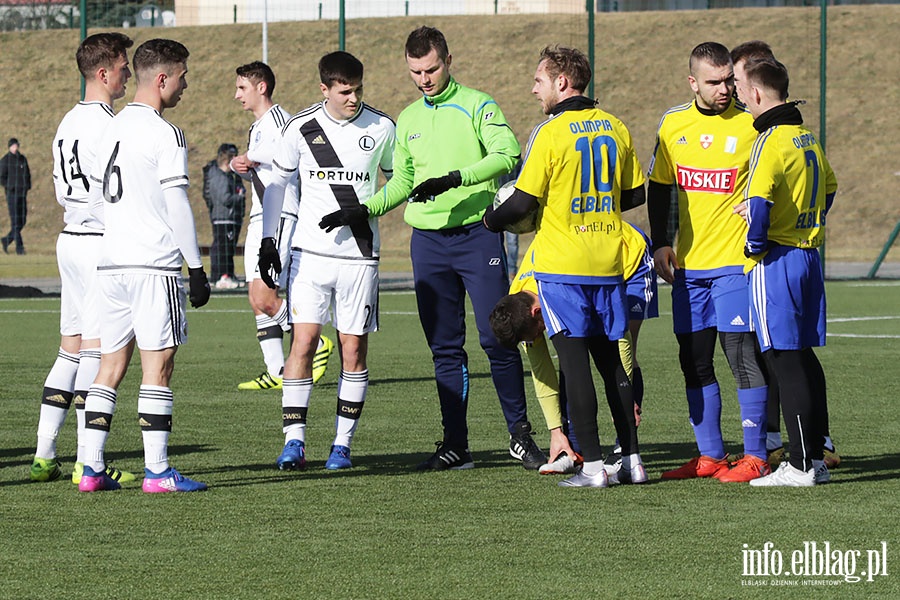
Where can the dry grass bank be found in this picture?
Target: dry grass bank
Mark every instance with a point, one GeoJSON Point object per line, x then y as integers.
{"type": "Point", "coordinates": [641, 70]}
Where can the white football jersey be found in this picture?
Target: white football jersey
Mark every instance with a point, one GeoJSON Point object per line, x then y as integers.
{"type": "Point", "coordinates": [139, 156]}
{"type": "Point", "coordinates": [262, 140]}
{"type": "Point", "coordinates": [337, 163]}
{"type": "Point", "coordinates": [74, 151]}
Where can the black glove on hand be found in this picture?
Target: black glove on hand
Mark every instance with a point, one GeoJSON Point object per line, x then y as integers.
{"type": "Point", "coordinates": [435, 186]}
{"type": "Point", "coordinates": [199, 285]}
{"type": "Point", "coordinates": [345, 216]}
{"type": "Point", "coordinates": [486, 219]}
{"type": "Point", "coordinates": [269, 261]}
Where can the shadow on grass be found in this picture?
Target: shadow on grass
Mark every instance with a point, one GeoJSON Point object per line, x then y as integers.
{"type": "Point", "coordinates": [14, 452]}
{"type": "Point", "coordinates": [657, 458]}
{"type": "Point", "coordinates": [853, 469]}
{"type": "Point", "coordinates": [430, 378]}
{"type": "Point", "coordinates": [27, 455]}
{"type": "Point", "coordinates": [390, 465]}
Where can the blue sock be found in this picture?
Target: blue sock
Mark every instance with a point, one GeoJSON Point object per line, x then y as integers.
{"type": "Point", "coordinates": [705, 406]}
{"type": "Point", "coordinates": [753, 420]}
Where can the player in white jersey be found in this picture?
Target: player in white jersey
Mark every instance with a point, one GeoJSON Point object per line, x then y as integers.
{"type": "Point", "coordinates": [103, 61]}
{"type": "Point", "coordinates": [254, 87]}
{"type": "Point", "coordinates": [336, 147]}
{"type": "Point", "coordinates": [139, 191]}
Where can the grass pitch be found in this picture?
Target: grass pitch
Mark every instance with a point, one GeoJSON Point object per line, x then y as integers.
{"type": "Point", "coordinates": [382, 530]}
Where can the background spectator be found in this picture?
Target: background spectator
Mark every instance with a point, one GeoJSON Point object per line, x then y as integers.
{"type": "Point", "coordinates": [15, 176]}
{"type": "Point", "coordinates": [224, 193]}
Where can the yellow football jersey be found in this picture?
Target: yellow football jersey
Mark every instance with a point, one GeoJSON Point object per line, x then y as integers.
{"type": "Point", "coordinates": [633, 247]}
{"type": "Point", "coordinates": [789, 171]}
{"type": "Point", "coordinates": [577, 164]}
{"type": "Point", "coordinates": [707, 157]}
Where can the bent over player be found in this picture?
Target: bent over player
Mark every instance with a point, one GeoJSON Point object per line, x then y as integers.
{"type": "Point", "coordinates": [140, 194]}
{"type": "Point", "coordinates": [581, 169]}
{"type": "Point", "coordinates": [103, 61]}
{"type": "Point", "coordinates": [335, 148]}
{"type": "Point", "coordinates": [518, 317]}
{"type": "Point", "coordinates": [703, 148]}
{"type": "Point", "coordinates": [790, 189]}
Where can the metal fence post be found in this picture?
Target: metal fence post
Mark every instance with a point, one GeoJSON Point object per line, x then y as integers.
{"type": "Point", "coordinates": [590, 11]}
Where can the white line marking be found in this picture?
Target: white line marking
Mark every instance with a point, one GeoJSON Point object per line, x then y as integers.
{"type": "Point", "coordinates": [875, 284]}
{"type": "Point", "coordinates": [859, 335]}
{"type": "Point", "coordinates": [854, 319]}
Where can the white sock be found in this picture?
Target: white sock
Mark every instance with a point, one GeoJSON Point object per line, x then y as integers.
{"type": "Point", "coordinates": [99, 407]}
{"type": "Point", "coordinates": [271, 342]}
{"type": "Point", "coordinates": [281, 317]}
{"type": "Point", "coordinates": [352, 389]}
{"type": "Point", "coordinates": [773, 440]}
{"type": "Point", "coordinates": [593, 467]}
{"type": "Point", "coordinates": [630, 460]}
{"type": "Point", "coordinates": [88, 367]}
{"type": "Point", "coordinates": [294, 404]}
{"type": "Point", "coordinates": [55, 402]}
{"type": "Point", "coordinates": [155, 412]}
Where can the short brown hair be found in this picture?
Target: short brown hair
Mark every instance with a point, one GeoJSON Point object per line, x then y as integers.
{"type": "Point", "coordinates": [752, 49]}
{"type": "Point", "coordinates": [159, 53]}
{"type": "Point", "coordinates": [101, 50]}
{"type": "Point", "coordinates": [258, 71]}
{"type": "Point", "coordinates": [569, 62]}
{"type": "Point", "coordinates": [770, 74]}
{"type": "Point", "coordinates": [712, 52]}
{"type": "Point", "coordinates": [340, 67]}
{"type": "Point", "coordinates": [422, 40]}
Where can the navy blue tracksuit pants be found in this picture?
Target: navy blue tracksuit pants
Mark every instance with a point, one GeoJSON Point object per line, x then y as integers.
{"type": "Point", "coordinates": [447, 264]}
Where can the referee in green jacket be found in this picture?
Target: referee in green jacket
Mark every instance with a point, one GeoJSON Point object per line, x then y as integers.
{"type": "Point", "coordinates": [452, 145]}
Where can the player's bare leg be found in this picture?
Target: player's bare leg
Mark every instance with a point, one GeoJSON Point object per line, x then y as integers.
{"type": "Point", "coordinates": [351, 395]}
{"type": "Point", "coordinates": [271, 316]}
{"type": "Point", "coordinates": [155, 402]}
{"type": "Point", "coordinates": [295, 395]}
{"type": "Point", "coordinates": [88, 368]}
{"type": "Point", "coordinates": [56, 400]}
{"type": "Point", "coordinates": [99, 407]}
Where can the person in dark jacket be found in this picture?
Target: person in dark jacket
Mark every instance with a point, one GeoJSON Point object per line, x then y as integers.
{"type": "Point", "coordinates": [224, 193]}
{"type": "Point", "coordinates": [15, 176]}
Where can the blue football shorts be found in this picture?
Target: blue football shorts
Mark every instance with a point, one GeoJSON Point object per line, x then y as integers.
{"type": "Point", "coordinates": [719, 301]}
{"type": "Point", "coordinates": [584, 310]}
{"type": "Point", "coordinates": [640, 291]}
{"type": "Point", "coordinates": [787, 298]}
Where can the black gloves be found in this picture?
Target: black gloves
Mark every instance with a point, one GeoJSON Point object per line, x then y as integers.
{"type": "Point", "coordinates": [269, 261]}
{"type": "Point", "coordinates": [435, 186]}
{"type": "Point", "coordinates": [345, 216]}
{"type": "Point", "coordinates": [199, 285]}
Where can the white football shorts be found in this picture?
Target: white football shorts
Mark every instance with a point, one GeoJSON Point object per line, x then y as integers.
{"type": "Point", "coordinates": [344, 292]}
{"type": "Point", "coordinates": [76, 255]}
{"type": "Point", "coordinates": [147, 308]}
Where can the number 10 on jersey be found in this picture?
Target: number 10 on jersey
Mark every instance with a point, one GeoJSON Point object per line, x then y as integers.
{"type": "Point", "coordinates": [598, 171]}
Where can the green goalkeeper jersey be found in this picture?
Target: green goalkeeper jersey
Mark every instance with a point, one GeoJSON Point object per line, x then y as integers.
{"type": "Point", "coordinates": [460, 129]}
